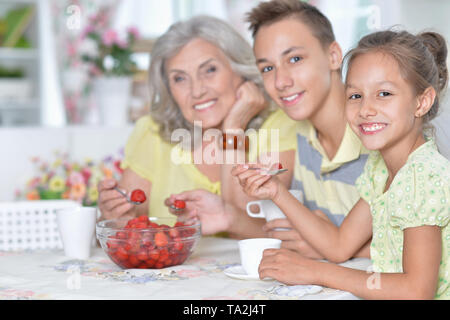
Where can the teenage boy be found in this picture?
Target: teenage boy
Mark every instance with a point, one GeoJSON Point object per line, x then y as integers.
{"type": "Point", "coordinates": [300, 63]}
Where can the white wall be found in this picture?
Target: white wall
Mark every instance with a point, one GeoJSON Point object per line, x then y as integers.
{"type": "Point", "coordinates": [18, 145]}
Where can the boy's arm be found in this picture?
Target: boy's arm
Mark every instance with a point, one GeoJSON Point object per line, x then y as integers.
{"type": "Point", "coordinates": [336, 244]}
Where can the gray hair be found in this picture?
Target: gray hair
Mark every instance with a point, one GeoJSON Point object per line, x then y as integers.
{"type": "Point", "coordinates": [164, 109]}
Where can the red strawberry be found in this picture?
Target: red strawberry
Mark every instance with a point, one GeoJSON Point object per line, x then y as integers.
{"type": "Point", "coordinates": [174, 233]}
{"type": "Point", "coordinates": [132, 222]}
{"type": "Point", "coordinates": [153, 225]}
{"type": "Point", "coordinates": [179, 204]}
{"type": "Point", "coordinates": [133, 260]}
{"type": "Point", "coordinates": [122, 253]}
{"type": "Point", "coordinates": [161, 239]}
{"type": "Point", "coordinates": [150, 263]}
{"type": "Point", "coordinates": [163, 255]}
{"type": "Point", "coordinates": [142, 255]}
{"type": "Point", "coordinates": [178, 244]}
{"type": "Point", "coordinates": [138, 195]}
{"type": "Point", "coordinates": [153, 254]}
{"type": "Point", "coordinates": [141, 225]}
{"type": "Point", "coordinates": [279, 166]}
{"type": "Point", "coordinates": [143, 218]}
{"type": "Point", "coordinates": [121, 235]}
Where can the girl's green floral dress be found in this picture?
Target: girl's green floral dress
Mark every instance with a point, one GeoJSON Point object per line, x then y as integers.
{"type": "Point", "coordinates": [419, 195]}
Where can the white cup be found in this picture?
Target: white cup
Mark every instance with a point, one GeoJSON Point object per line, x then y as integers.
{"type": "Point", "coordinates": [269, 210]}
{"type": "Point", "coordinates": [76, 227]}
{"type": "Point", "coordinates": [251, 252]}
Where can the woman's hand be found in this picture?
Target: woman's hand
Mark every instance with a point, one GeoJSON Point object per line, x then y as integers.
{"type": "Point", "coordinates": [111, 203]}
{"type": "Point", "coordinates": [287, 266]}
{"type": "Point", "coordinates": [208, 207]}
{"type": "Point", "coordinates": [249, 102]}
{"type": "Point", "coordinates": [257, 183]}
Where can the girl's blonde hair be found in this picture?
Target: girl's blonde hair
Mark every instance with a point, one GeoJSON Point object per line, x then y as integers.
{"type": "Point", "coordinates": [422, 60]}
{"type": "Point", "coordinates": [164, 109]}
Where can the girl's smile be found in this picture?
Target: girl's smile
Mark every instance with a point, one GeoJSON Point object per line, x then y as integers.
{"type": "Point", "coordinates": [369, 128]}
{"type": "Point", "coordinates": [381, 104]}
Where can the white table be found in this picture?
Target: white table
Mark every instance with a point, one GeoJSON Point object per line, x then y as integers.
{"type": "Point", "coordinates": [50, 275]}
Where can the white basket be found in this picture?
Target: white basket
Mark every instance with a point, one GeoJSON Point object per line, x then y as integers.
{"type": "Point", "coordinates": [31, 224]}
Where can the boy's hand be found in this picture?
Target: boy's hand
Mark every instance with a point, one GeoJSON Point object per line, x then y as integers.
{"type": "Point", "coordinates": [257, 183]}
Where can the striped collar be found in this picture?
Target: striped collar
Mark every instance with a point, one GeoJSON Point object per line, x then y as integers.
{"type": "Point", "coordinates": [350, 149]}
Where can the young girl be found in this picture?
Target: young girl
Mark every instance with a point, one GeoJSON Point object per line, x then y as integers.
{"type": "Point", "coordinates": [393, 87]}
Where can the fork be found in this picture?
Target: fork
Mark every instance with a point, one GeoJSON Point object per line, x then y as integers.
{"type": "Point", "coordinates": [126, 196]}
{"type": "Point", "coordinates": [270, 172]}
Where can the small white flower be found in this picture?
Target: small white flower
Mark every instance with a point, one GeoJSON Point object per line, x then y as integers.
{"type": "Point", "coordinates": [89, 48]}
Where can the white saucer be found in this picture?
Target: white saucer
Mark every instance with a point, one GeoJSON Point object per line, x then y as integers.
{"type": "Point", "coordinates": [238, 272]}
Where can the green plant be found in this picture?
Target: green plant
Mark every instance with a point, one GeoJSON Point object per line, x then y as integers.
{"type": "Point", "coordinates": [11, 72]}
{"type": "Point", "coordinates": [13, 26]}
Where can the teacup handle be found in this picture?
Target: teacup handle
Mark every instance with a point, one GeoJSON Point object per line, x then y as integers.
{"type": "Point", "coordinates": [260, 214]}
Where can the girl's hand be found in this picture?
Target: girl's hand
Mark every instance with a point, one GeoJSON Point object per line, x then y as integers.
{"type": "Point", "coordinates": [203, 205]}
{"type": "Point", "coordinates": [257, 183]}
{"type": "Point", "coordinates": [288, 267]}
{"type": "Point", "coordinates": [249, 102]}
{"type": "Point", "coordinates": [111, 203]}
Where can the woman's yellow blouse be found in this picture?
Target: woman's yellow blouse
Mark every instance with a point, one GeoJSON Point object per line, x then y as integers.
{"type": "Point", "coordinates": [147, 154]}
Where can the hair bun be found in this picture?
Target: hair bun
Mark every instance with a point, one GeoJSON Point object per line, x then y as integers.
{"type": "Point", "coordinates": [437, 46]}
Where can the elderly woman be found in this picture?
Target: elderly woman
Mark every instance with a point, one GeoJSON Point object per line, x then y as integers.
{"type": "Point", "coordinates": [202, 77]}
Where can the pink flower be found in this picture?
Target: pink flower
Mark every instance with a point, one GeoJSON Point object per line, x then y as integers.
{"type": "Point", "coordinates": [86, 173]}
{"type": "Point", "coordinates": [122, 44]}
{"type": "Point", "coordinates": [90, 28]}
{"type": "Point", "coordinates": [76, 178]}
{"type": "Point", "coordinates": [109, 37]}
{"type": "Point", "coordinates": [133, 31]}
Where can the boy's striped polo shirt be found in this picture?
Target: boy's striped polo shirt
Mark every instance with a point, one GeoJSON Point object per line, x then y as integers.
{"type": "Point", "coordinates": [328, 185]}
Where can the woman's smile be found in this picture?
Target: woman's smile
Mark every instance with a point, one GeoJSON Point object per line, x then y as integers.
{"type": "Point", "coordinates": [205, 105]}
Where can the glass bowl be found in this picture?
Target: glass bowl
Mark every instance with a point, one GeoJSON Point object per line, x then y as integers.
{"type": "Point", "coordinates": [148, 242]}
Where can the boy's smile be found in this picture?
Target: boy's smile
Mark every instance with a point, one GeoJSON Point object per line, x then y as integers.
{"type": "Point", "coordinates": [295, 67]}
{"type": "Point", "coordinates": [292, 100]}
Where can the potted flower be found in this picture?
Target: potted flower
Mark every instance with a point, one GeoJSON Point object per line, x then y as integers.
{"type": "Point", "coordinates": [65, 179]}
{"type": "Point", "coordinates": [109, 57]}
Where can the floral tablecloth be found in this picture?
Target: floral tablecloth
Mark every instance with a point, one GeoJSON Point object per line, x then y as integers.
{"type": "Point", "coordinates": [50, 275]}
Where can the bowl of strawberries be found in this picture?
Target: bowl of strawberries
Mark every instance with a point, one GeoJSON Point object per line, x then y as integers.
{"type": "Point", "coordinates": [148, 242]}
